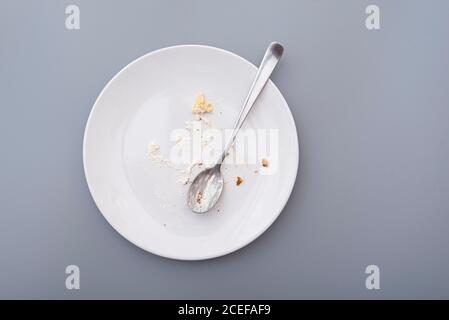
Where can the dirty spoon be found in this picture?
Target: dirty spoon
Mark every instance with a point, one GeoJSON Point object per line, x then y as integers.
{"type": "Point", "coordinates": [207, 186]}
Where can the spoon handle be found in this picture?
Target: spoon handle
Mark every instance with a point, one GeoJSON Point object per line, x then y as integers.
{"type": "Point", "coordinates": [269, 62]}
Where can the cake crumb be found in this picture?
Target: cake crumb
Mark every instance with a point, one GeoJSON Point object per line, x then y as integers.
{"type": "Point", "coordinates": [153, 148]}
{"type": "Point", "coordinates": [238, 181]}
{"type": "Point", "coordinates": [202, 105]}
{"type": "Point", "coordinates": [265, 163]}
{"type": "Point", "coordinates": [199, 196]}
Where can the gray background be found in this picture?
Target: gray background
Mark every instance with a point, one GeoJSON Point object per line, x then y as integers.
{"type": "Point", "coordinates": [371, 107]}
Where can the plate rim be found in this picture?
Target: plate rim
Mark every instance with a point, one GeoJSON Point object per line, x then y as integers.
{"type": "Point", "coordinates": [281, 204]}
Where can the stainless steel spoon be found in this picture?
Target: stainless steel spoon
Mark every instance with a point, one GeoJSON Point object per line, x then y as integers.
{"type": "Point", "coordinates": [207, 186]}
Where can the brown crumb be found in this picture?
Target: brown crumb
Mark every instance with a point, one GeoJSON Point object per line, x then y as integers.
{"type": "Point", "coordinates": [256, 171]}
{"type": "Point", "coordinates": [238, 181]}
{"type": "Point", "coordinates": [265, 163]}
{"type": "Point", "coordinates": [199, 196]}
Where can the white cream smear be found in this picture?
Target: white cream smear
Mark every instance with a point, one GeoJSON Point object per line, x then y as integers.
{"type": "Point", "coordinates": [192, 127]}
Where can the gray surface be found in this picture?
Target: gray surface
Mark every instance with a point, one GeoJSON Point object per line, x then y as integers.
{"type": "Point", "coordinates": [372, 109]}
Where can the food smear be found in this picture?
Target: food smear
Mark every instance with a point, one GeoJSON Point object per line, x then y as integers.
{"type": "Point", "coordinates": [184, 141]}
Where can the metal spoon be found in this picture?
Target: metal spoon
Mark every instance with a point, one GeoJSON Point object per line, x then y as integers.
{"type": "Point", "coordinates": [207, 186]}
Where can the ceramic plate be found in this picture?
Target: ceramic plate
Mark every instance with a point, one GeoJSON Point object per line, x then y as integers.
{"type": "Point", "coordinates": [143, 199]}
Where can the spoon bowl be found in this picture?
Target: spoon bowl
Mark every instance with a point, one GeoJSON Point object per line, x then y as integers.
{"type": "Point", "coordinates": [205, 190]}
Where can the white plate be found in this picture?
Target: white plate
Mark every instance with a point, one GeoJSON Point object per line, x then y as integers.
{"type": "Point", "coordinates": [144, 202]}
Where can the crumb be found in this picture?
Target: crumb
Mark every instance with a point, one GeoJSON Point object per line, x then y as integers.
{"type": "Point", "coordinates": [153, 148]}
{"type": "Point", "coordinates": [205, 121]}
{"type": "Point", "coordinates": [218, 210]}
{"type": "Point", "coordinates": [185, 179]}
{"type": "Point", "coordinates": [199, 196]}
{"type": "Point", "coordinates": [265, 163]}
{"type": "Point", "coordinates": [256, 171]}
{"type": "Point", "coordinates": [201, 105]}
{"type": "Point", "coordinates": [238, 181]}
{"type": "Point", "coordinates": [165, 224]}
{"type": "Point", "coordinates": [153, 151]}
